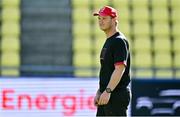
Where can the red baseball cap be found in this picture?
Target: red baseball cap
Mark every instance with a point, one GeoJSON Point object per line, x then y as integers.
{"type": "Point", "coordinates": [107, 11]}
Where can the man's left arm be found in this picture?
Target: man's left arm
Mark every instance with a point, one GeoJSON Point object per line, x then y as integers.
{"type": "Point", "coordinates": [116, 76]}
{"type": "Point", "coordinates": [115, 79]}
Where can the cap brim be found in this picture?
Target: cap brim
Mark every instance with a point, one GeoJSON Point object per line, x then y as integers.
{"type": "Point", "coordinates": [100, 14]}
{"type": "Point", "coordinates": [95, 14]}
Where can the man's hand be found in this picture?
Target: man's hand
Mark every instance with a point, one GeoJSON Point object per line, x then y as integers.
{"type": "Point", "coordinates": [96, 98]}
{"type": "Point", "coordinates": [104, 98]}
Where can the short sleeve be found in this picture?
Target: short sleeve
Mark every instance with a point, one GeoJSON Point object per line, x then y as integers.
{"type": "Point", "coordinates": [120, 51]}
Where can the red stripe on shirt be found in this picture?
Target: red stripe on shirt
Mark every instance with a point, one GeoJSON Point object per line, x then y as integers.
{"type": "Point", "coordinates": [120, 63]}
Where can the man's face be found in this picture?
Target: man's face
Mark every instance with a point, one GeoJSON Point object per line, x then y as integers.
{"type": "Point", "coordinates": [105, 22]}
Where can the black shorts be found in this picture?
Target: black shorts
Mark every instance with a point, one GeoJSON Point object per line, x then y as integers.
{"type": "Point", "coordinates": [117, 105]}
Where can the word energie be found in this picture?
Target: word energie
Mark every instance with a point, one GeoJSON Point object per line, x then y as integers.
{"type": "Point", "coordinates": [11, 100]}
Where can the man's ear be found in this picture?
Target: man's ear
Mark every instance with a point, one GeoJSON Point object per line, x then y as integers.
{"type": "Point", "coordinates": [116, 23]}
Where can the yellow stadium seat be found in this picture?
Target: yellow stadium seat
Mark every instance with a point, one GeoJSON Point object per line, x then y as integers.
{"type": "Point", "coordinates": [123, 9]}
{"type": "Point", "coordinates": [10, 73]}
{"type": "Point", "coordinates": [139, 3]}
{"type": "Point", "coordinates": [164, 74]}
{"type": "Point", "coordinates": [97, 53]}
{"type": "Point", "coordinates": [97, 31]}
{"type": "Point", "coordinates": [10, 29]}
{"type": "Point", "coordinates": [82, 59]}
{"type": "Point", "coordinates": [175, 14]}
{"type": "Point", "coordinates": [14, 3]}
{"type": "Point", "coordinates": [177, 60]}
{"type": "Point", "coordinates": [144, 74]}
{"type": "Point", "coordinates": [133, 62]}
{"type": "Point", "coordinates": [96, 63]}
{"type": "Point", "coordinates": [162, 44]}
{"type": "Point", "coordinates": [99, 41]}
{"type": "Point", "coordinates": [130, 41]}
{"type": "Point", "coordinates": [10, 59]}
{"type": "Point", "coordinates": [83, 73]}
{"type": "Point", "coordinates": [143, 59]}
{"type": "Point", "coordinates": [141, 14]}
{"type": "Point", "coordinates": [176, 45]}
{"type": "Point", "coordinates": [161, 29]}
{"type": "Point", "coordinates": [175, 29]}
{"type": "Point", "coordinates": [97, 59]}
{"type": "Point", "coordinates": [128, 37]}
{"type": "Point", "coordinates": [160, 14]}
{"type": "Point", "coordinates": [82, 44]}
{"type": "Point", "coordinates": [80, 4]}
{"type": "Point", "coordinates": [124, 27]}
{"type": "Point", "coordinates": [159, 3]}
{"type": "Point", "coordinates": [140, 7]}
{"type": "Point", "coordinates": [163, 60]}
{"type": "Point", "coordinates": [177, 75]}
{"type": "Point", "coordinates": [10, 44]}
{"type": "Point", "coordinates": [85, 62]}
{"type": "Point", "coordinates": [100, 3]}
{"type": "Point", "coordinates": [77, 29]}
{"type": "Point", "coordinates": [77, 15]}
{"type": "Point", "coordinates": [11, 14]}
{"type": "Point", "coordinates": [142, 44]}
{"type": "Point", "coordinates": [120, 4]}
{"type": "Point", "coordinates": [175, 3]}
{"type": "Point", "coordinates": [141, 29]}
{"type": "Point", "coordinates": [10, 62]}
{"type": "Point", "coordinates": [96, 73]}
{"type": "Point", "coordinates": [123, 14]}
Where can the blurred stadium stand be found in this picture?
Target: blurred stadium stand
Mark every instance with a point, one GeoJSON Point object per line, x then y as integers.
{"type": "Point", "coordinates": [60, 37]}
{"type": "Point", "coordinates": [46, 37]}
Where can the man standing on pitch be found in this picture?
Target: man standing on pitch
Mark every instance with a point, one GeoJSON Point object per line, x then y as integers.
{"type": "Point", "coordinates": [113, 96]}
